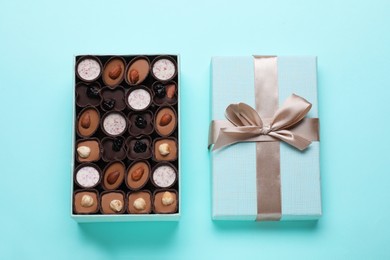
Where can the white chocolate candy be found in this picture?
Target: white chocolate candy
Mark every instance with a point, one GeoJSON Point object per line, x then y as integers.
{"type": "Point", "coordinates": [88, 69]}
{"type": "Point", "coordinates": [139, 99]}
{"type": "Point", "coordinates": [164, 176]}
{"type": "Point", "coordinates": [164, 69]}
{"type": "Point", "coordinates": [87, 176]}
{"type": "Point", "coordinates": [114, 124]}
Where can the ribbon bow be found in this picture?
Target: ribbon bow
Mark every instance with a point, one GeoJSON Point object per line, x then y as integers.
{"type": "Point", "coordinates": [248, 125]}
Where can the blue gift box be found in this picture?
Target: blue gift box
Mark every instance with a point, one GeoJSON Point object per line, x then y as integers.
{"type": "Point", "coordinates": [234, 190]}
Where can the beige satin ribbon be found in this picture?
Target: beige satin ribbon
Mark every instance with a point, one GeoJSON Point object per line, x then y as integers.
{"type": "Point", "coordinates": [286, 124]}
{"type": "Point", "coordinates": [247, 124]}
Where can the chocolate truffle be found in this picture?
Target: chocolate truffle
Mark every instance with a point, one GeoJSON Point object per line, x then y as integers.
{"type": "Point", "coordinates": [139, 148]}
{"type": "Point", "coordinates": [88, 94]}
{"type": "Point", "coordinates": [165, 121]}
{"type": "Point", "coordinates": [138, 175]}
{"type": "Point", "coordinates": [139, 99]}
{"type": "Point", "coordinates": [113, 148]}
{"type": "Point", "coordinates": [113, 175]}
{"type": "Point", "coordinates": [165, 202]}
{"type": "Point", "coordinates": [114, 123]}
{"type": "Point", "coordinates": [113, 99]}
{"type": "Point", "coordinates": [163, 69]}
{"type": "Point", "coordinates": [88, 122]}
{"type": "Point", "coordinates": [137, 71]}
{"type": "Point", "coordinates": [141, 123]}
{"type": "Point", "coordinates": [88, 150]}
{"type": "Point", "coordinates": [86, 202]}
{"type": "Point", "coordinates": [113, 71]}
{"type": "Point", "coordinates": [165, 149]}
{"type": "Point", "coordinates": [139, 202]}
{"type": "Point", "coordinates": [164, 175]}
{"type": "Point", "coordinates": [112, 203]}
{"type": "Point", "coordinates": [87, 175]}
{"type": "Point", "coordinates": [88, 68]}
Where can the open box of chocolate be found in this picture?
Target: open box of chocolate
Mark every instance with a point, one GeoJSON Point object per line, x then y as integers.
{"type": "Point", "coordinates": [126, 152]}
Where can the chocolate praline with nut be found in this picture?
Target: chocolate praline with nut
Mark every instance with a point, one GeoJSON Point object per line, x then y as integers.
{"type": "Point", "coordinates": [137, 70]}
{"type": "Point", "coordinates": [165, 201]}
{"type": "Point", "coordinates": [139, 202]}
{"type": "Point", "coordinates": [113, 175]}
{"type": "Point", "coordinates": [165, 121]}
{"type": "Point", "coordinates": [88, 121]}
{"type": "Point", "coordinates": [138, 175]}
{"type": "Point", "coordinates": [113, 71]}
{"type": "Point", "coordinates": [88, 150]}
{"type": "Point", "coordinates": [86, 202]}
{"type": "Point", "coordinates": [165, 149]}
{"type": "Point", "coordinates": [112, 202]}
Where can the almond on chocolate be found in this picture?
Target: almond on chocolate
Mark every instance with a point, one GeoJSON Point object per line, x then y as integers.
{"type": "Point", "coordinates": [170, 90]}
{"type": "Point", "coordinates": [113, 177]}
{"type": "Point", "coordinates": [136, 175]}
{"type": "Point", "coordinates": [86, 120]}
{"type": "Point", "coordinates": [134, 76]}
{"type": "Point", "coordinates": [115, 72]}
{"type": "Point", "coordinates": [165, 119]}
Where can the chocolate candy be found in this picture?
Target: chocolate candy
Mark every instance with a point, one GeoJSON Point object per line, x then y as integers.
{"type": "Point", "coordinates": [113, 149]}
{"type": "Point", "coordinates": [88, 121]}
{"type": "Point", "coordinates": [88, 68]}
{"type": "Point", "coordinates": [163, 68]}
{"type": "Point", "coordinates": [87, 175]}
{"type": "Point", "coordinates": [114, 123]}
{"type": "Point", "coordinates": [113, 72]}
{"type": "Point", "coordinates": [113, 175]}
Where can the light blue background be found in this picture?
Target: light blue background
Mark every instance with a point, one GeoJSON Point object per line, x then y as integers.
{"type": "Point", "coordinates": [37, 42]}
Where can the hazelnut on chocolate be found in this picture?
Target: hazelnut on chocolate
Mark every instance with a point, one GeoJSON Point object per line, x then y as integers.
{"type": "Point", "coordinates": [84, 151]}
{"type": "Point", "coordinates": [116, 205]}
{"type": "Point", "coordinates": [165, 202]}
{"type": "Point", "coordinates": [164, 149]}
{"type": "Point", "coordinates": [139, 204]}
{"type": "Point", "coordinates": [87, 201]}
{"type": "Point", "coordinates": [167, 198]}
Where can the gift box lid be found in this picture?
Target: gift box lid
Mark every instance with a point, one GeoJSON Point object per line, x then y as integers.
{"type": "Point", "coordinates": [234, 191]}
